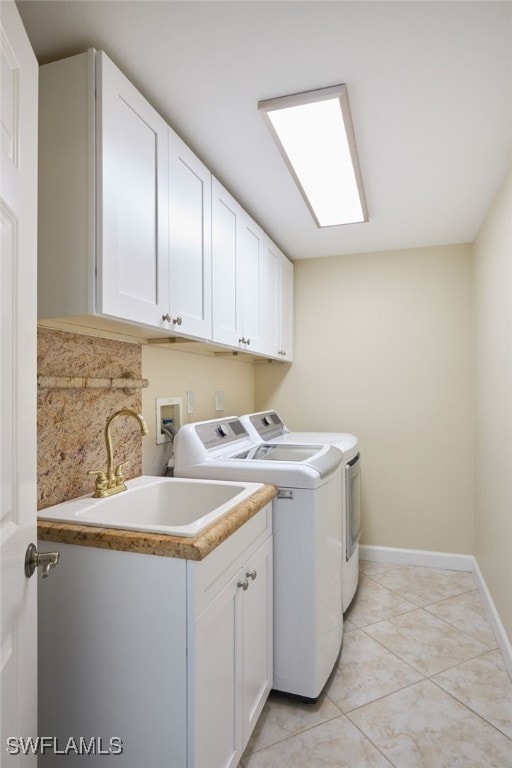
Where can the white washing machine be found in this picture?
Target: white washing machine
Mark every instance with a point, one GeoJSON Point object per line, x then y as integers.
{"type": "Point", "coordinates": [308, 624]}
{"type": "Point", "coordinates": [268, 427]}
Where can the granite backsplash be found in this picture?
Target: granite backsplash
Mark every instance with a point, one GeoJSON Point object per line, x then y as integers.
{"type": "Point", "coordinates": [71, 414]}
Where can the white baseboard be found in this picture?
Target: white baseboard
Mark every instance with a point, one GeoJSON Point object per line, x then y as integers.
{"type": "Point", "coordinates": [494, 618]}
{"type": "Point", "coordinates": [446, 560]}
{"type": "Point", "coordinates": [450, 562]}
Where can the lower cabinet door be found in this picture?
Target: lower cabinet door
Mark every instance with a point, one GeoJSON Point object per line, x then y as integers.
{"type": "Point", "coordinates": [257, 637]}
{"type": "Point", "coordinates": [230, 665]}
{"type": "Point", "coordinates": [217, 715]}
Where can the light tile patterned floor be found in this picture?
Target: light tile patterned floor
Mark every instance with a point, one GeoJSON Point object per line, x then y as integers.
{"type": "Point", "coordinates": [420, 684]}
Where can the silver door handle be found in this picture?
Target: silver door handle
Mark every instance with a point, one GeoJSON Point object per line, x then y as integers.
{"type": "Point", "coordinates": [243, 584]}
{"type": "Point", "coordinates": [34, 559]}
{"type": "Point", "coordinates": [251, 575]}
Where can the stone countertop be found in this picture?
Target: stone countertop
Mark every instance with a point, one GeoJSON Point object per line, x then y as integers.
{"type": "Point", "coordinates": [186, 548]}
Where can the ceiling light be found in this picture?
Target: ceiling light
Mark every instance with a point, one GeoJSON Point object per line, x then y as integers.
{"type": "Point", "coordinates": [314, 133]}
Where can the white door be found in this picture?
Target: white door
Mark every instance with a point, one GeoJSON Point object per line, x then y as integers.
{"type": "Point", "coordinates": [190, 241]}
{"type": "Point", "coordinates": [286, 309]}
{"type": "Point", "coordinates": [18, 214]}
{"type": "Point", "coordinates": [270, 299]}
{"type": "Point", "coordinates": [257, 638]}
{"type": "Point", "coordinates": [217, 680]}
{"type": "Point", "coordinates": [133, 279]}
{"type": "Point", "coordinates": [251, 284]}
{"type": "Point", "coordinates": [226, 226]}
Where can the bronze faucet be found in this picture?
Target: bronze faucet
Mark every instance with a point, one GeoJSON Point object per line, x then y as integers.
{"type": "Point", "coordinates": [112, 481]}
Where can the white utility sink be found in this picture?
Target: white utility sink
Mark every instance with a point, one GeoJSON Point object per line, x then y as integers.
{"type": "Point", "coordinates": [168, 505]}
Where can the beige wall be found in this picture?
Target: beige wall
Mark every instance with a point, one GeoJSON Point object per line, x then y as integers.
{"type": "Point", "coordinates": [383, 349]}
{"type": "Point", "coordinates": [172, 373]}
{"type": "Point", "coordinates": [493, 363]}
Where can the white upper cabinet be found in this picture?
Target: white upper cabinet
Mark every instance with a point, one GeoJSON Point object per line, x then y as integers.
{"type": "Point", "coordinates": [270, 298]}
{"type": "Point", "coordinates": [132, 201]}
{"type": "Point", "coordinates": [103, 199]}
{"type": "Point", "coordinates": [134, 234]}
{"type": "Point", "coordinates": [285, 351]}
{"type": "Point", "coordinates": [237, 273]}
{"type": "Point", "coordinates": [190, 255]}
{"type": "Point", "coordinates": [277, 303]}
{"type": "Point", "coordinates": [250, 285]}
{"type": "Point", "coordinates": [226, 240]}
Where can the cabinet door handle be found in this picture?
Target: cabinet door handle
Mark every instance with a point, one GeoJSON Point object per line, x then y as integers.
{"type": "Point", "coordinates": [167, 318]}
{"type": "Point", "coordinates": [243, 584]}
{"type": "Point", "coordinates": [251, 575]}
{"type": "Point", "coordinates": [177, 320]}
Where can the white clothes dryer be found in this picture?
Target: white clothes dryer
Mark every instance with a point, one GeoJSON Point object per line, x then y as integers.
{"type": "Point", "coordinates": [267, 426]}
{"type": "Point", "coordinates": [307, 530]}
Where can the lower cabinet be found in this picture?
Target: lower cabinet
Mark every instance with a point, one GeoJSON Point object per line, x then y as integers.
{"type": "Point", "coordinates": [232, 664]}
{"type": "Point", "coordinates": [171, 657]}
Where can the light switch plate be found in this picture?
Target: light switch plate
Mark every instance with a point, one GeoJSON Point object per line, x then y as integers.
{"type": "Point", "coordinates": [219, 401]}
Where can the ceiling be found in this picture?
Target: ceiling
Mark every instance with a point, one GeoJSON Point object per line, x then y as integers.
{"type": "Point", "coordinates": [429, 83]}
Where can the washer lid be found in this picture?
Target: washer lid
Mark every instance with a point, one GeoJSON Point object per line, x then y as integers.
{"type": "Point", "coordinates": [344, 441]}
{"type": "Point", "coordinates": [322, 460]}
{"type": "Point", "coordinates": [268, 426]}
{"type": "Point", "coordinates": [270, 452]}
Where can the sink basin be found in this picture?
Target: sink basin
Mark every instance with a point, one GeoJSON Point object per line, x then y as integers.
{"type": "Point", "coordinates": [168, 505]}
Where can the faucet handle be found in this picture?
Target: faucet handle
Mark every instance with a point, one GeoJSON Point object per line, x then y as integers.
{"type": "Point", "coordinates": [101, 483]}
{"type": "Point", "coordinates": [100, 474]}
{"type": "Point", "coordinates": [119, 472]}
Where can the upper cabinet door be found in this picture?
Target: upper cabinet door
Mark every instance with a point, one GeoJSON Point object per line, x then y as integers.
{"type": "Point", "coordinates": [226, 230]}
{"type": "Point", "coordinates": [132, 201]}
{"type": "Point", "coordinates": [285, 351]}
{"type": "Point", "coordinates": [190, 252]}
{"type": "Point", "coordinates": [277, 303]}
{"type": "Point", "coordinates": [270, 299]}
{"type": "Point", "coordinates": [251, 281]}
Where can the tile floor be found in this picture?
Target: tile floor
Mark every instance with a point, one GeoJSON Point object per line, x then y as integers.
{"type": "Point", "coordinates": [420, 684]}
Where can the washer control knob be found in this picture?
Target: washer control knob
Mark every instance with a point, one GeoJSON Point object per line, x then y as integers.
{"type": "Point", "coordinates": [222, 430]}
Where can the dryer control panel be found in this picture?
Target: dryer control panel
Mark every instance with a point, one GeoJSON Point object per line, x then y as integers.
{"type": "Point", "coordinates": [216, 433]}
{"type": "Point", "coordinates": [268, 425]}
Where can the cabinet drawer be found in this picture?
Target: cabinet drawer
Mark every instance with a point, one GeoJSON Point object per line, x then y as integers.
{"type": "Point", "coordinates": [207, 577]}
